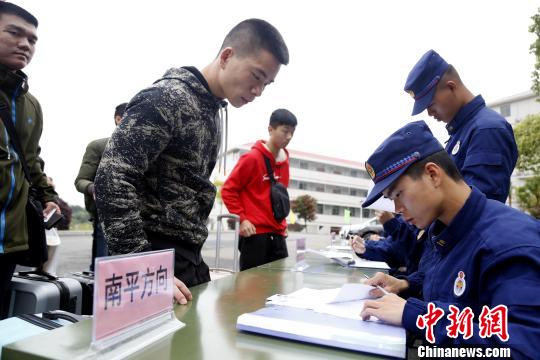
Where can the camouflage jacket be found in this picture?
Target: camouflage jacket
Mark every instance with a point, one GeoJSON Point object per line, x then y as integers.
{"type": "Point", "coordinates": [154, 173]}
{"type": "Point", "coordinates": [27, 117]}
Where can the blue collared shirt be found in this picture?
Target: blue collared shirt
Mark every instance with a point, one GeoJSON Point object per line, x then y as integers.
{"type": "Point", "coordinates": [483, 147]}
{"type": "Point", "coordinates": [497, 250]}
{"type": "Point", "coordinates": [401, 246]}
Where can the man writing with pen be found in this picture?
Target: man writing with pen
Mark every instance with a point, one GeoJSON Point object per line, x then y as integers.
{"type": "Point", "coordinates": [401, 248]}
{"type": "Point", "coordinates": [474, 256]}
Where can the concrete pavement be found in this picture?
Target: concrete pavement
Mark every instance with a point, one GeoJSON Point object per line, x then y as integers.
{"type": "Point", "coordinates": [75, 250]}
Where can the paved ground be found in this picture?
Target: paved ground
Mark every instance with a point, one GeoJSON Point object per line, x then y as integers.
{"type": "Point", "coordinates": [75, 250]}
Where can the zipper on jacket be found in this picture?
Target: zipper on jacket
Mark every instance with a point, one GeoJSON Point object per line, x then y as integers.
{"type": "Point", "coordinates": [12, 173]}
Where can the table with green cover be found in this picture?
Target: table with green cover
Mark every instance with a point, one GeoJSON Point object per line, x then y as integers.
{"type": "Point", "coordinates": [210, 331]}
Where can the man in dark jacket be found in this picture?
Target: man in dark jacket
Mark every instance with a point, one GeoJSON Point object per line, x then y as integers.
{"type": "Point", "coordinates": [18, 39]}
{"type": "Point", "coordinates": [85, 184]}
{"type": "Point", "coordinates": [152, 187]}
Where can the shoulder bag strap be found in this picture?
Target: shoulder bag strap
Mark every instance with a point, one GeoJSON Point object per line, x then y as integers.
{"type": "Point", "coordinates": [269, 169]}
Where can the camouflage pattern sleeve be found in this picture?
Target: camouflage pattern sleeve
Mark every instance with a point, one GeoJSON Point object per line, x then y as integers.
{"type": "Point", "coordinates": [136, 143]}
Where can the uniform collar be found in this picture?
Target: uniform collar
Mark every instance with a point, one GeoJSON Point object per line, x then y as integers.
{"type": "Point", "coordinates": [13, 82]}
{"type": "Point", "coordinates": [465, 114]}
{"type": "Point", "coordinates": [444, 237]}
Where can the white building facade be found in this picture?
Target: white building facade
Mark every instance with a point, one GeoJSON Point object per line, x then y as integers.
{"type": "Point", "coordinates": [516, 107]}
{"type": "Point", "coordinates": [336, 184]}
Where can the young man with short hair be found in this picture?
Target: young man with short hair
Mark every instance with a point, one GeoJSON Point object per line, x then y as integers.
{"type": "Point", "coordinates": [84, 183]}
{"type": "Point", "coordinates": [153, 188]}
{"type": "Point", "coordinates": [246, 193]}
{"type": "Point", "coordinates": [18, 37]}
{"type": "Point", "coordinates": [481, 142]}
{"type": "Point", "coordinates": [479, 252]}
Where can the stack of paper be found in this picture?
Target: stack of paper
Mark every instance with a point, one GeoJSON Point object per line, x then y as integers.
{"type": "Point", "coordinates": [347, 259]}
{"type": "Point", "coordinates": [328, 317]}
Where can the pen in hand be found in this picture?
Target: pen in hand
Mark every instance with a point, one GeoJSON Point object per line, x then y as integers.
{"type": "Point", "coordinates": [377, 286]}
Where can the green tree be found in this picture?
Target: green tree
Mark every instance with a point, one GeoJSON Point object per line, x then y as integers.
{"type": "Point", "coordinates": [306, 208]}
{"type": "Point", "coordinates": [535, 50]}
{"type": "Point", "coordinates": [529, 196]}
{"type": "Point", "coordinates": [79, 218]}
{"type": "Point", "coordinates": [527, 133]}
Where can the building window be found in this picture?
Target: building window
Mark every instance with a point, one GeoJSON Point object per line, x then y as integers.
{"type": "Point", "coordinates": [303, 165]}
{"type": "Point", "coordinates": [505, 110]}
{"type": "Point", "coordinates": [320, 208]}
{"type": "Point", "coordinates": [302, 185]}
{"type": "Point", "coordinates": [320, 167]}
{"type": "Point", "coordinates": [319, 188]}
{"type": "Point", "coordinates": [353, 192]}
{"type": "Point", "coordinates": [335, 210]}
{"type": "Point", "coordinates": [336, 190]}
{"type": "Point", "coordinates": [364, 175]}
{"type": "Point", "coordinates": [368, 213]}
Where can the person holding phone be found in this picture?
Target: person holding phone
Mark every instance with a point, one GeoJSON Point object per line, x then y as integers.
{"type": "Point", "coordinates": [18, 38]}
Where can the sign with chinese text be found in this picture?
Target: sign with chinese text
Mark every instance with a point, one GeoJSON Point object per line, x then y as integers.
{"type": "Point", "coordinates": [490, 322]}
{"type": "Point", "coordinates": [130, 289]}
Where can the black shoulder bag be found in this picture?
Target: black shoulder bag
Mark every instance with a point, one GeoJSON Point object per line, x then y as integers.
{"type": "Point", "coordinates": [36, 255]}
{"type": "Point", "coordinates": [278, 195]}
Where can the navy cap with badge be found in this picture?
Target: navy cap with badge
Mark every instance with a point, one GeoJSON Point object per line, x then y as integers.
{"type": "Point", "coordinates": [423, 79]}
{"type": "Point", "coordinates": [411, 143]}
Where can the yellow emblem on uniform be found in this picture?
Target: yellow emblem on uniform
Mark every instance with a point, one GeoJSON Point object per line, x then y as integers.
{"type": "Point", "coordinates": [411, 93]}
{"type": "Point", "coordinates": [370, 171]}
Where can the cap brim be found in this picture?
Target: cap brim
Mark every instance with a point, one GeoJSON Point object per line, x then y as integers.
{"type": "Point", "coordinates": [422, 103]}
{"type": "Point", "coordinates": [379, 187]}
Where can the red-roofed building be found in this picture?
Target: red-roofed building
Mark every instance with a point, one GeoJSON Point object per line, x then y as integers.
{"type": "Point", "coordinates": [337, 184]}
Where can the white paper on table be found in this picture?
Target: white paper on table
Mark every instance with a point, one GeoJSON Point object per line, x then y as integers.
{"type": "Point", "coordinates": [363, 263]}
{"type": "Point", "coordinates": [304, 298]}
{"type": "Point", "coordinates": [347, 309]}
{"type": "Point", "coordinates": [339, 248]}
{"type": "Point", "coordinates": [331, 254]}
{"type": "Point", "coordinates": [307, 298]}
{"type": "Point", "coordinates": [352, 291]}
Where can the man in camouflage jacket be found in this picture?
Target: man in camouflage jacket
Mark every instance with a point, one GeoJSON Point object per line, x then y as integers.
{"type": "Point", "coordinates": [152, 187]}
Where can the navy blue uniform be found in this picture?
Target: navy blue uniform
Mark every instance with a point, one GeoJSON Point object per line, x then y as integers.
{"type": "Point", "coordinates": [497, 250]}
{"type": "Point", "coordinates": [402, 247]}
{"type": "Point", "coordinates": [483, 147]}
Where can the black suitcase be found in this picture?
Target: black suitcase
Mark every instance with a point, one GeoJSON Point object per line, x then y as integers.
{"type": "Point", "coordinates": [34, 292]}
{"type": "Point", "coordinates": [86, 279]}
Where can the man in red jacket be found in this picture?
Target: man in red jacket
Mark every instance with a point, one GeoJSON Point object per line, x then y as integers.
{"type": "Point", "coordinates": [246, 193]}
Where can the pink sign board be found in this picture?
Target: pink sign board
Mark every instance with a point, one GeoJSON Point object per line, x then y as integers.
{"type": "Point", "coordinates": [129, 289]}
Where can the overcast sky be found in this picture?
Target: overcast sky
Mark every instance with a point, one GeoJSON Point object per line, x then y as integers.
{"type": "Point", "coordinates": [348, 64]}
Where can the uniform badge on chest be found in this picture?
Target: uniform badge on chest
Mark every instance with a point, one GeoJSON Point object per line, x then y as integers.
{"type": "Point", "coordinates": [456, 148]}
{"type": "Point", "coordinates": [460, 284]}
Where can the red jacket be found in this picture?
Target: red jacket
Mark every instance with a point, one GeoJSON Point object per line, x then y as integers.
{"type": "Point", "coordinates": [246, 192]}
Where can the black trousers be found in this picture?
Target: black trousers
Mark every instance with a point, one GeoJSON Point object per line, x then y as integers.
{"type": "Point", "coordinates": [7, 267]}
{"type": "Point", "coordinates": [188, 263]}
{"type": "Point", "coordinates": [260, 249]}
